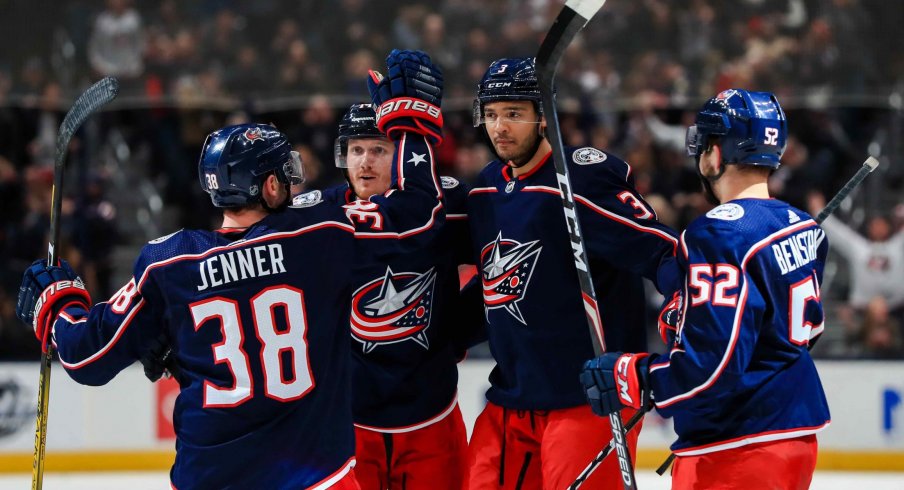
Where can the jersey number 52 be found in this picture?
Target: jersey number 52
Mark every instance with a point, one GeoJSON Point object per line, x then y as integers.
{"type": "Point", "coordinates": [713, 282]}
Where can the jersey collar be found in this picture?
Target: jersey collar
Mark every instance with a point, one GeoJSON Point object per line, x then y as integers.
{"type": "Point", "coordinates": [507, 169]}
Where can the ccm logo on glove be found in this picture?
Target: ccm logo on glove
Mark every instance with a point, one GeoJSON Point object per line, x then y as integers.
{"type": "Point", "coordinates": [631, 391]}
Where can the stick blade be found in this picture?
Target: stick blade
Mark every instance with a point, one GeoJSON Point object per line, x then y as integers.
{"type": "Point", "coordinates": [92, 99]}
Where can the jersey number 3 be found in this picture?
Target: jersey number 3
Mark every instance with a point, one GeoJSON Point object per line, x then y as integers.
{"type": "Point", "coordinates": [274, 343]}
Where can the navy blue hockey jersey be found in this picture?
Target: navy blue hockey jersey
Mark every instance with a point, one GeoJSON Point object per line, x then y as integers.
{"type": "Point", "coordinates": [258, 322]}
{"type": "Point", "coordinates": [406, 316]}
{"type": "Point", "coordinates": [534, 311]}
{"type": "Point", "coordinates": [739, 371]}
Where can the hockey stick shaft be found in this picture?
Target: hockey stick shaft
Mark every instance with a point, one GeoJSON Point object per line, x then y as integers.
{"type": "Point", "coordinates": [573, 17]}
{"type": "Point", "coordinates": [92, 99]}
{"type": "Point", "coordinates": [868, 166]}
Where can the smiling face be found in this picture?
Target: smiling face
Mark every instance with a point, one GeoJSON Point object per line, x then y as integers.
{"type": "Point", "coordinates": [369, 161]}
{"type": "Point", "coordinates": [512, 126]}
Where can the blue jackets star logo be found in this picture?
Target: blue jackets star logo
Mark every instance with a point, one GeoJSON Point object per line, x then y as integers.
{"type": "Point", "coordinates": [393, 308]}
{"type": "Point", "coordinates": [506, 268]}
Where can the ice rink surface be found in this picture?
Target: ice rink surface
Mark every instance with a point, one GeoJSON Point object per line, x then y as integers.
{"type": "Point", "coordinates": [646, 480]}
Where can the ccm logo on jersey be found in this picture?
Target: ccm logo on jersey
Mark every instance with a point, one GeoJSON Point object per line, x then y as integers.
{"type": "Point", "coordinates": [406, 104]}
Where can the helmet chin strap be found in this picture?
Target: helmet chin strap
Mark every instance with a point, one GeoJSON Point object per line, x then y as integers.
{"type": "Point", "coordinates": [707, 183]}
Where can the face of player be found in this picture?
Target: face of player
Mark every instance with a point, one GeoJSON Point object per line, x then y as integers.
{"type": "Point", "coordinates": [369, 169]}
{"type": "Point", "coordinates": [513, 128]}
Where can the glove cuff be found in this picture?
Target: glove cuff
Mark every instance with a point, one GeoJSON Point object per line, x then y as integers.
{"type": "Point", "coordinates": [628, 379]}
{"type": "Point", "coordinates": [53, 300]}
{"type": "Point", "coordinates": [427, 118]}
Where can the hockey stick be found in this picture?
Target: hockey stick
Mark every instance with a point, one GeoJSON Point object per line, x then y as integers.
{"type": "Point", "coordinates": [868, 166]}
{"type": "Point", "coordinates": [573, 17]}
{"type": "Point", "coordinates": [92, 99]}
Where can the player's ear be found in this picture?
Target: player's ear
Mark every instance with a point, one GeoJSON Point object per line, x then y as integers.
{"type": "Point", "coordinates": [272, 185]}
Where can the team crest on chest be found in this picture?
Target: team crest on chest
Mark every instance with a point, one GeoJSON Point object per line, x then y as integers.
{"type": "Point", "coordinates": [393, 308]}
{"type": "Point", "coordinates": [506, 268]}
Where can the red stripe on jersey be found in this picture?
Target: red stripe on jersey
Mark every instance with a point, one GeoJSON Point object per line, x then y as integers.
{"type": "Point", "coordinates": [335, 476]}
{"type": "Point", "coordinates": [772, 435]}
{"type": "Point", "coordinates": [739, 313]}
{"type": "Point", "coordinates": [97, 355]}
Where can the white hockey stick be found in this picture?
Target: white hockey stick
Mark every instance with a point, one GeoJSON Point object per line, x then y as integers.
{"type": "Point", "coordinates": [573, 17]}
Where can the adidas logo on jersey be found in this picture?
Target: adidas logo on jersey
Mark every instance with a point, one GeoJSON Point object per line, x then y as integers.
{"type": "Point", "coordinates": [792, 217]}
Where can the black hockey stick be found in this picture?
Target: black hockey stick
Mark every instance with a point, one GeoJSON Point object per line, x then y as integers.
{"type": "Point", "coordinates": [868, 166]}
{"type": "Point", "coordinates": [573, 17]}
{"type": "Point", "coordinates": [92, 99]}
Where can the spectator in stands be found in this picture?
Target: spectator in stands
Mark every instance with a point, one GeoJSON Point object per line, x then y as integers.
{"type": "Point", "coordinates": [875, 261]}
{"type": "Point", "coordinates": [116, 47]}
{"type": "Point", "coordinates": [880, 334]}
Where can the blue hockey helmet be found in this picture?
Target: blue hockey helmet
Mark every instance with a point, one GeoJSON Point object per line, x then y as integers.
{"type": "Point", "coordinates": [751, 128]}
{"type": "Point", "coordinates": [508, 79]}
{"type": "Point", "coordinates": [360, 121]}
{"type": "Point", "coordinates": [235, 160]}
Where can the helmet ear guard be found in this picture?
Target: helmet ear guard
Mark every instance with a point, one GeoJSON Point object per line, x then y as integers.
{"type": "Point", "coordinates": [751, 127]}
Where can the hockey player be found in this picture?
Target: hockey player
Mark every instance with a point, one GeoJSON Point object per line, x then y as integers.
{"type": "Point", "coordinates": [537, 430]}
{"type": "Point", "coordinates": [405, 320]}
{"type": "Point", "coordinates": [257, 311]}
{"type": "Point", "coordinates": [739, 381]}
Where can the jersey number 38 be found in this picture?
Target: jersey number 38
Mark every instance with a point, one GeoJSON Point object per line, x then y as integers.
{"type": "Point", "coordinates": [273, 344]}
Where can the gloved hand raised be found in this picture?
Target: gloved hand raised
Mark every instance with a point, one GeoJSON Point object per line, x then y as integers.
{"type": "Point", "coordinates": [408, 98]}
{"type": "Point", "coordinates": [614, 381]}
{"type": "Point", "coordinates": [45, 292]}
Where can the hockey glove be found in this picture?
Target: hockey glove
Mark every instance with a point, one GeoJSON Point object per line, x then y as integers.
{"type": "Point", "coordinates": [669, 317]}
{"type": "Point", "coordinates": [159, 360]}
{"type": "Point", "coordinates": [614, 381]}
{"type": "Point", "coordinates": [45, 292]}
{"type": "Point", "coordinates": [408, 98]}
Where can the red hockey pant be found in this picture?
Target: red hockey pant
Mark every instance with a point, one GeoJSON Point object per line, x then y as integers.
{"type": "Point", "coordinates": [777, 465]}
{"type": "Point", "coordinates": [430, 458]}
{"type": "Point", "coordinates": [533, 450]}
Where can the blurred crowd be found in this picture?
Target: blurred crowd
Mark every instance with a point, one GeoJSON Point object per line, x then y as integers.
{"type": "Point", "coordinates": [630, 84]}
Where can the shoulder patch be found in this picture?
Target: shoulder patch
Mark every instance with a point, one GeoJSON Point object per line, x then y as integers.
{"type": "Point", "coordinates": [726, 212]}
{"type": "Point", "coordinates": [588, 156]}
{"type": "Point", "coordinates": [307, 199]}
{"type": "Point", "coordinates": [163, 238]}
{"type": "Point", "coordinates": [448, 182]}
